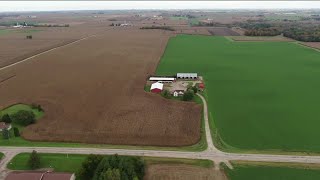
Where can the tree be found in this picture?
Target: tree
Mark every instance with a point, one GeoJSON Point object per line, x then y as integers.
{"type": "Point", "coordinates": [89, 166]}
{"type": "Point", "coordinates": [188, 96]}
{"type": "Point", "coordinates": [195, 89]}
{"type": "Point", "coordinates": [112, 174]}
{"type": "Point", "coordinates": [24, 117]}
{"type": "Point", "coordinates": [5, 133]}
{"type": "Point", "coordinates": [34, 160]}
{"type": "Point", "coordinates": [6, 118]}
{"type": "Point", "coordinates": [16, 132]}
{"type": "Point", "coordinates": [166, 94]}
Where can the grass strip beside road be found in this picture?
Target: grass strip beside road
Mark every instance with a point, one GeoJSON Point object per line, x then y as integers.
{"type": "Point", "coordinates": [72, 162]}
{"type": "Point", "coordinates": [244, 170]}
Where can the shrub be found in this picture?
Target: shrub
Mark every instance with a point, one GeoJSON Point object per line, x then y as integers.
{"type": "Point", "coordinates": [166, 94]}
{"type": "Point", "coordinates": [88, 167]}
{"type": "Point", "coordinates": [24, 117]}
{"type": "Point", "coordinates": [5, 133]}
{"type": "Point", "coordinates": [16, 132]}
{"type": "Point", "coordinates": [188, 96]}
{"type": "Point", "coordinates": [34, 160]}
{"type": "Point", "coordinates": [6, 118]}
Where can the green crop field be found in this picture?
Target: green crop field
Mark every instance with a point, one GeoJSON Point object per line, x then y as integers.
{"type": "Point", "coordinates": [272, 172]}
{"type": "Point", "coordinates": [262, 96]}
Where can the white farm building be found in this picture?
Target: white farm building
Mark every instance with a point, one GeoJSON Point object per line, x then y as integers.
{"type": "Point", "coordinates": [187, 75]}
{"type": "Point", "coordinates": [162, 79]}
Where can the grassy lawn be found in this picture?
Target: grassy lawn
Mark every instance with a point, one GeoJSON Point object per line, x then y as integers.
{"type": "Point", "coordinates": [274, 171]}
{"type": "Point", "coordinates": [262, 96]}
{"type": "Point", "coordinates": [60, 162]}
{"type": "Point", "coordinates": [72, 162]}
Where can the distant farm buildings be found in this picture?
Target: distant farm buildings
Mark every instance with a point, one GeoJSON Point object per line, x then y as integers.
{"type": "Point", "coordinates": [187, 75]}
{"type": "Point", "coordinates": [156, 87]}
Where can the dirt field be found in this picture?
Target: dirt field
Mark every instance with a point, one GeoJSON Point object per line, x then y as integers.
{"type": "Point", "coordinates": [182, 172]}
{"type": "Point", "coordinates": [14, 46]}
{"type": "Point", "coordinates": [92, 92]}
{"type": "Point", "coordinates": [222, 32]}
{"type": "Point", "coordinates": [312, 44]}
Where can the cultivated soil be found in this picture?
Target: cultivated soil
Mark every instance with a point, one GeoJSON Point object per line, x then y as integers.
{"type": "Point", "coordinates": [92, 92]}
{"type": "Point", "coordinates": [261, 38]}
{"type": "Point", "coordinates": [182, 172]}
{"type": "Point", "coordinates": [312, 44]}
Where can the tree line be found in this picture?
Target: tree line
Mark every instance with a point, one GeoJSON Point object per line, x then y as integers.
{"type": "Point", "coordinates": [168, 28]}
{"type": "Point", "coordinates": [98, 167]}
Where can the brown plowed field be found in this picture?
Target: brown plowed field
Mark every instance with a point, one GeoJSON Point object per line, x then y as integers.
{"type": "Point", "coordinates": [92, 92]}
{"type": "Point", "coordinates": [182, 172]}
{"type": "Point", "coordinates": [14, 46]}
{"type": "Point", "coordinates": [312, 44]}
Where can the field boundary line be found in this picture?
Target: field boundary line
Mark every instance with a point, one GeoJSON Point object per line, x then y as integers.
{"type": "Point", "coordinates": [306, 46]}
{"type": "Point", "coordinates": [46, 51]}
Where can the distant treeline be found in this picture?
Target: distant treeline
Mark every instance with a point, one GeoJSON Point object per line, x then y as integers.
{"type": "Point", "coordinates": [298, 31]}
{"type": "Point", "coordinates": [51, 25]}
{"type": "Point", "coordinates": [168, 28]}
{"type": "Point", "coordinates": [211, 24]}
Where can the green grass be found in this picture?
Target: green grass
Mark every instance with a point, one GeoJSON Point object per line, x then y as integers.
{"type": "Point", "coordinates": [262, 96]}
{"type": "Point", "coordinates": [4, 31]}
{"type": "Point", "coordinates": [274, 171]}
{"type": "Point", "coordinates": [1, 155]}
{"type": "Point", "coordinates": [72, 162]}
{"type": "Point", "coordinates": [59, 162]}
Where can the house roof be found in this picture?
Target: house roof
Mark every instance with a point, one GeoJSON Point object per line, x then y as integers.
{"type": "Point", "coordinates": [178, 91]}
{"type": "Point", "coordinates": [36, 175]}
{"type": "Point", "coordinates": [157, 85]}
{"type": "Point", "coordinates": [3, 125]}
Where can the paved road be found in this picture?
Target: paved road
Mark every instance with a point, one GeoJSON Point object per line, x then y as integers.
{"type": "Point", "coordinates": [212, 153]}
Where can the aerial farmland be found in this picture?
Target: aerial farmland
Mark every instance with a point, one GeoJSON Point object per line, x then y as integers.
{"type": "Point", "coordinates": [180, 94]}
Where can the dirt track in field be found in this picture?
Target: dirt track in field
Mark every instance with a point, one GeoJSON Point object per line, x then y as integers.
{"type": "Point", "coordinates": [182, 172]}
{"type": "Point", "coordinates": [92, 92]}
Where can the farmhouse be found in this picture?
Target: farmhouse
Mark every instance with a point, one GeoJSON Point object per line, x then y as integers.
{"type": "Point", "coordinates": [156, 87]}
{"type": "Point", "coordinates": [3, 125]}
{"type": "Point", "coordinates": [187, 75]}
{"type": "Point", "coordinates": [177, 93]}
{"type": "Point", "coordinates": [162, 79]}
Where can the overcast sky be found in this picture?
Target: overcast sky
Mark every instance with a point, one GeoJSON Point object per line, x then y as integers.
{"type": "Point", "coordinates": [111, 5]}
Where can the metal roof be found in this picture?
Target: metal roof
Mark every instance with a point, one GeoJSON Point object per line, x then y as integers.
{"type": "Point", "coordinates": [187, 74]}
{"type": "Point", "coordinates": [161, 79]}
{"type": "Point", "coordinates": [156, 85]}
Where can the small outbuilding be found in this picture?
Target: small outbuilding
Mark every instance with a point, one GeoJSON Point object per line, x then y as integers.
{"type": "Point", "coordinates": [187, 75]}
{"type": "Point", "coordinates": [177, 93]}
{"type": "Point", "coordinates": [156, 87]}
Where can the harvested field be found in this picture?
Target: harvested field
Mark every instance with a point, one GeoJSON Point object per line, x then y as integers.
{"type": "Point", "coordinates": [311, 44]}
{"type": "Point", "coordinates": [261, 38]}
{"type": "Point", "coordinates": [191, 30]}
{"type": "Point", "coordinates": [14, 46]}
{"type": "Point", "coordinates": [92, 92]}
{"type": "Point", "coordinates": [222, 31]}
{"type": "Point", "coordinates": [182, 172]}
